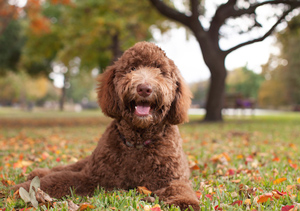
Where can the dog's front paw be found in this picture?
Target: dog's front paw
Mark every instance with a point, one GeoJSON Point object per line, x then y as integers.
{"type": "Point", "coordinates": [38, 172]}
{"type": "Point", "coordinates": [24, 185]}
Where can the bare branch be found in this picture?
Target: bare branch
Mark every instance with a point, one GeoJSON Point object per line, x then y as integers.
{"type": "Point", "coordinates": [195, 8]}
{"type": "Point", "coordinates": [268, 33]}
{"type": "Point", "coordinates": [170, 12]}
{"type": "Point", "coordinates": [227, 10]}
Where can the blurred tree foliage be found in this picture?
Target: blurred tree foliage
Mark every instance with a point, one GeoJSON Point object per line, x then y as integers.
{"type": "Point", "coordinates": [199, 90]}
{"type": "Point", "coordinates": [282, 72]}
{"type": "Point", "coordinates": [96, 31]}
{"type": "Point", "coordinates": [243, 81]}
{"type": "Point", "coordinates": [20, 88]}
{"type": "Point", "coordinates": [290, 52]}
{"type": "Point", "coordinates": [48, 36]}
{"type": "Point", "coordinates": [11, 43]}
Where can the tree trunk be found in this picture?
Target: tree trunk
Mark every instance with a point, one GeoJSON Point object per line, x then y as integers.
{"type": "Point", "coordinates": [63, 95]}
{"type": "Point", "coordinates": [116, 47]}
{"type": "Point", "coordinates": [216, 93]}
{"type": "Point", "coordinates": [214, 58]}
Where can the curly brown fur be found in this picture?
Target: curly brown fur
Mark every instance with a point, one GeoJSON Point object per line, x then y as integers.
{"type": "Point", "coordinates": [146, 95]}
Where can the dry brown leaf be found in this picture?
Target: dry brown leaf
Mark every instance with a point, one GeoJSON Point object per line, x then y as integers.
{"type": "Point", "coordinates": [42, 197]}
{"type": "Point", "coordinates": [72, 206]}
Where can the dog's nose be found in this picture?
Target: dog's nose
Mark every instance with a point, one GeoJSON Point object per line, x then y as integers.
{"type": "Point", "coordinates": [144, 90]}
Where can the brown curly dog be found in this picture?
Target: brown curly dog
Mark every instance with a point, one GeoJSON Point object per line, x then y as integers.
{"type": "Point", "coordinates": [146, 95]}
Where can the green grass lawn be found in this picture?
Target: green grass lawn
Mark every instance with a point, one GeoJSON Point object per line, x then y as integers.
{"type": "Point", "coordinates": [245, 163]}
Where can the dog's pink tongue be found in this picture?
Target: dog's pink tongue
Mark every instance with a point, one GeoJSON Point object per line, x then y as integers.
{"type": "Point", "coordinates": [141, 110]}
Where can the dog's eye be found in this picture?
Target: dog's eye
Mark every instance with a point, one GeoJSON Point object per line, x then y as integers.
{"type": "Point", "coordinates": [133, 69]}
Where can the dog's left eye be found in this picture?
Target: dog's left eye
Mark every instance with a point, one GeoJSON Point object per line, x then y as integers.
{"type": "Point", "coordinates": [133, 69]}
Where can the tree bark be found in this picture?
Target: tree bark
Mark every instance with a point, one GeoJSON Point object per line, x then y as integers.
{"type": "Point", "coordinates": [63, 95]}
{"type": "Point", "coordinates": [216, 93]}
{"type": "Point", "coordinates": [116, 47]}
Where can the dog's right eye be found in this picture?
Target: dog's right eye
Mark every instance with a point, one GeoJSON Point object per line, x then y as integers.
{"type": "Point", "coordinates": [133, 69]}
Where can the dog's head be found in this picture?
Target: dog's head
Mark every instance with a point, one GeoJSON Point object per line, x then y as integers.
{"type": "Point", "coordinates": [144, 87]}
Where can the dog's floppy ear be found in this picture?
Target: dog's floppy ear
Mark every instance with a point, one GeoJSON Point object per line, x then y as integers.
{"type": "Point", "coordinates": [107, 97]}
{"type": "Point", "coordinates": [178, 112]}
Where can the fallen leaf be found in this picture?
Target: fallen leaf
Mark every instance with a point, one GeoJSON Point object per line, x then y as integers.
{"type": "Point", "coordinates": [155, 208]}
{"type": "Point", "coordinates": [86, 206]}
{"type": "Point", "coordinates": [280, 180]}
{"type": "Point", "coordinates": [143, 190]}
{"type": "Point", "coordinates": [209, 196]}
{"type": "Point", "coordinates": [218, 208]}
{"type": "Point", "coordinates": [238, 202]}
{"type": "Point", "coordinates": [198, 194]}
{"type": "Point", "coordinates": [247, 202]}
{"type": "Point", "coordinates": [265, 198]}
{"type": "Point", "coordinates": [42, 197]}
{"type": "Point", "coordinates": [287, 207]}
{"type": "Point", "coordinates": [72, 206]}
{"type": "Point", "coordinates": [7, 182]}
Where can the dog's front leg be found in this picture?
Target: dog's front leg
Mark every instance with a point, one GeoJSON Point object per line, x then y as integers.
{"type": "Point", "coordinates": [61, 183]}
{"type": "Point", "coordinates": [179, 193]}
{"type": "Point", "coordinates": [76, 167]}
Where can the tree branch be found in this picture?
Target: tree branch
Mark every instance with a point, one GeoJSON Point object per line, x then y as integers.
{"type": "Point", "coordinates": [269, 32]}
{"type": "Point", "coordinates": [195, 8]}
{"type": "Point", "coordinates": [227, 10]}
{"type": "Point", "coordinates": [170, 12]}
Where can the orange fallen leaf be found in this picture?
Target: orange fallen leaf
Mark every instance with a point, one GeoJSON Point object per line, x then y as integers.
{"type": "Point", "coordinates": [7, 182]}
{"type": "Point", "coordinates": [143, 190]}
{"type": "Point", "coordinates": [265, 198]}
{"type": "Point", "coordinates": [86, 206]}
{"type": "Point", "coordinates": [280, 180]}
{"type": "Point", "coordinates": [198, 194]}
{"type": "Point", "coordinates": [195, 167]}
{"type": "Point", "coordinates": [247, 202]}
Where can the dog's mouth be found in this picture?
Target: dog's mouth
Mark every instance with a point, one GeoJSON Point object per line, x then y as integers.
{"type": "Point", "coordinates": [143, 108]}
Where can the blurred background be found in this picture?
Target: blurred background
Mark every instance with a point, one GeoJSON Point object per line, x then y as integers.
{"type": "Point", "coordinates": [51, 51]}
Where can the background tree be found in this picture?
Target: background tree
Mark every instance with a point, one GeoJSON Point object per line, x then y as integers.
{"type": "Point", "coordinates": [273, 92]}
{"type": "Point", "coordinates": [225, 19]}
{"type": "Point", "coordinates": [244, 81]}
{"type": "Point", "coordinates": [282, 72]}
{"type": "Point", "coordinates": [289, 41]}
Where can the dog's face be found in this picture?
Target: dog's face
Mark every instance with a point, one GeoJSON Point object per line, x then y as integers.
{"type": "Point", "coordinates": [144, 87]}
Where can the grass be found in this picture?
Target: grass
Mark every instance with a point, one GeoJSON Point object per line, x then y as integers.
{"type": "Point", "coordinates": [234, 164]}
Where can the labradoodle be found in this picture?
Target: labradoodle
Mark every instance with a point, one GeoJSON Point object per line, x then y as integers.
{"type": "Point", "coordinates": [146, 96]}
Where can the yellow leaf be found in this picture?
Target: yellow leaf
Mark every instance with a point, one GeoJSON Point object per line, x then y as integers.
{"type": "Point", "coordinates": [247, 202]}
{"type": "Point", "coordinates": [298, 179]}
{"type": "Point", "coordinates": [280, 180]}
{"type": "Point", "coordinates": [143, 190]}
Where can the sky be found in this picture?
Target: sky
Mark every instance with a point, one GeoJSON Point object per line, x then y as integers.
{"type": "Point", "coordinates": [187, 55]}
